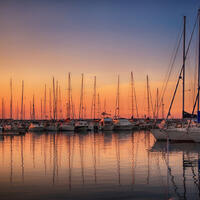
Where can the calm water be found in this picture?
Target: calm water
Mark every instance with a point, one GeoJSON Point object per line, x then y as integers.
{"type": "Point", "coordinates": [121, 165]}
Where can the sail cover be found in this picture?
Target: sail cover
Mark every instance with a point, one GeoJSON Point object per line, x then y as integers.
{"type": "Point", "coordinates": [188, 115]}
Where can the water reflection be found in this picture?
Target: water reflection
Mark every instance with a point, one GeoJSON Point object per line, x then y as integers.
{"type": "Point", "coordinates": [112, 165]}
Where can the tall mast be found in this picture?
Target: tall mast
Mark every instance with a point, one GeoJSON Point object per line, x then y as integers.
{"type": "Point", "coordinates": [98, 99]}
{"type": "Point", "coordinates": [33, 117]}
{"type": "Point", "coordinates": [11, 99]}
{"type": "Point", "coordinates": [17, 114]}
{"type": "Point", "coordinates": [45, 100]}
{"type": "Point", "coordinates": [135, 100]}
{"type": "Point", "coordinates": [157, 107]}
{"type": "Point", "coordinates": [60, 104]}
{"type": "Point", "coordinates": [81, 100]}
{"type": "Point", "coordinates": [69, 96]}
{"type": "Point", "coordinates": [94, 100]}
{"type": "Point", "coordinates": [117, 100]}
{"type": "Point", "coordinates": [198, 64]}
{"type": "Point", "coordinates": [162, 109]}
{"type": "Point", "coordinates": [2, 109]}
{"type": "Point", "coordinates": [54, 108]}
{"type": "Point", "coordinates": [30, 110]}
{"type": "Point", "coordinates": [22, 100]}
{"type": "Point", "coordinates": [148, 102]}
{"type": "Point", "coordinates": [41, 108]}
{"type": "Point", "coordinates": [50, 106]}
{"type": "Point", "coordinates": [56, 102]}
{"type": "Point", "coordinates": [24, 114]}
{"type": "Point", "coordinates": [184, 33]}
{"type": "Point", "coordinates": [132, 91]}
{"type": "Point", "coordinates": [104, 106]}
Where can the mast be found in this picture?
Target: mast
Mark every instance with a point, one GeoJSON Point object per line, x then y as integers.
{"type": "Point", "coordinates": [17, 114]}
{"type": "Point", "coordinates": [104, 105]}
{"type": "Point", "coordinates": [81, 100]}
{"type": "Point", "coordinates": [162, 108]}
{"type": "Point", "coordinates": [117, 100]}
{"type": "Point", "coordinates": [198, 65]}
{"type": "Point", "coordinates": [45, 99]}
{"type": "Point", "coordinates": [157, 107]}
{"type": "Point", "coordinates": [30, 110]}
{"type": "Point", "coordinates": [184, 33]}
{"type": "Point", "coordinates": [60, 103]}
{"type": "Point", "coordinates": [33, 113]}
{"type": "Point", "coordinates": [132, 91]}
{"type": "Point", "coordinates": [54, 109]}
{"type": "Point", "coordinates": [148, 102]}
{"type": "Point", "coordinates": [56, 102]}
{"type": "Point", "coordinates": [94, 100]}
{"type": "Point", "coordinates": [69, 96]}
{"type": "Point", "coordinates": [22, 100]}
{"type": "Point", "coordinates": [98, 99]}
{"type": "Point", "coordinates": [2, 109]}
{"type": "Point", "coordinates": [24, 114]}
{"type": "Point", "coordinates": [50, 106]}
{"type": "Point", "coordinates": [11, 99]}
{"type": "Point", "coordinates": [41, 108]}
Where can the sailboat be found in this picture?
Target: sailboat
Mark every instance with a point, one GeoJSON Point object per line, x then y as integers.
{"type": "Point", "coordinates": [183, 131]}
{"type": "Point", "coordinates": [68, 125]}
{"type": "Point", "coordinates": [120, 123]}
{"type": "Point", "coordinates": [81, 125]}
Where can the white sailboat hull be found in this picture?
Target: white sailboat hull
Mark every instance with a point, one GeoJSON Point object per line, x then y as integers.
{"type": "Point", "coordinates": [178, 134]}
{"type": "Point", "coordinates": [159, 134]}
{"type": "Point", "coordinates": [194, 133]}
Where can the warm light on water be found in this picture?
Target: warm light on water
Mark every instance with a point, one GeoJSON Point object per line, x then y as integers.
{"type": "Point", "coordinates": [121, 165]}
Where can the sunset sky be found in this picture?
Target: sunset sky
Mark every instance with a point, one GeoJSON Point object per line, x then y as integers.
{"type": "Point", "coordinates": [104, 38]}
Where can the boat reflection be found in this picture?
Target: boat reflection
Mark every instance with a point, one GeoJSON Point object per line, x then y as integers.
{"type": "Point", "coordinates": [190, 166]}
{"type": "Point", "coordinates": [112, 165]}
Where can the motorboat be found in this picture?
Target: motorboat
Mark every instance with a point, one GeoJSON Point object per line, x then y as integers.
{"type": "Point", "coordinates": [106, 124]}
{"type": "Point", "coordinates": [36, 127]}
{"type": "Point", "coordinates": [66, 126]}
{"type": "Point", "coordinates": [122, 124]}
{"type": "Point", "coordinates": [51, 127]}
{"type": "Point", "coordinates": [81, 125]}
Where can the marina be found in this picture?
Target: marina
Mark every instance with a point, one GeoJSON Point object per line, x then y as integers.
{"type": "Point", "coordinates": [100, 100]}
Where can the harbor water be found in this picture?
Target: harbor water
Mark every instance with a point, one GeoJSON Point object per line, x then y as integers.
{"type": "Point", "coordinates": [104, 165]}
